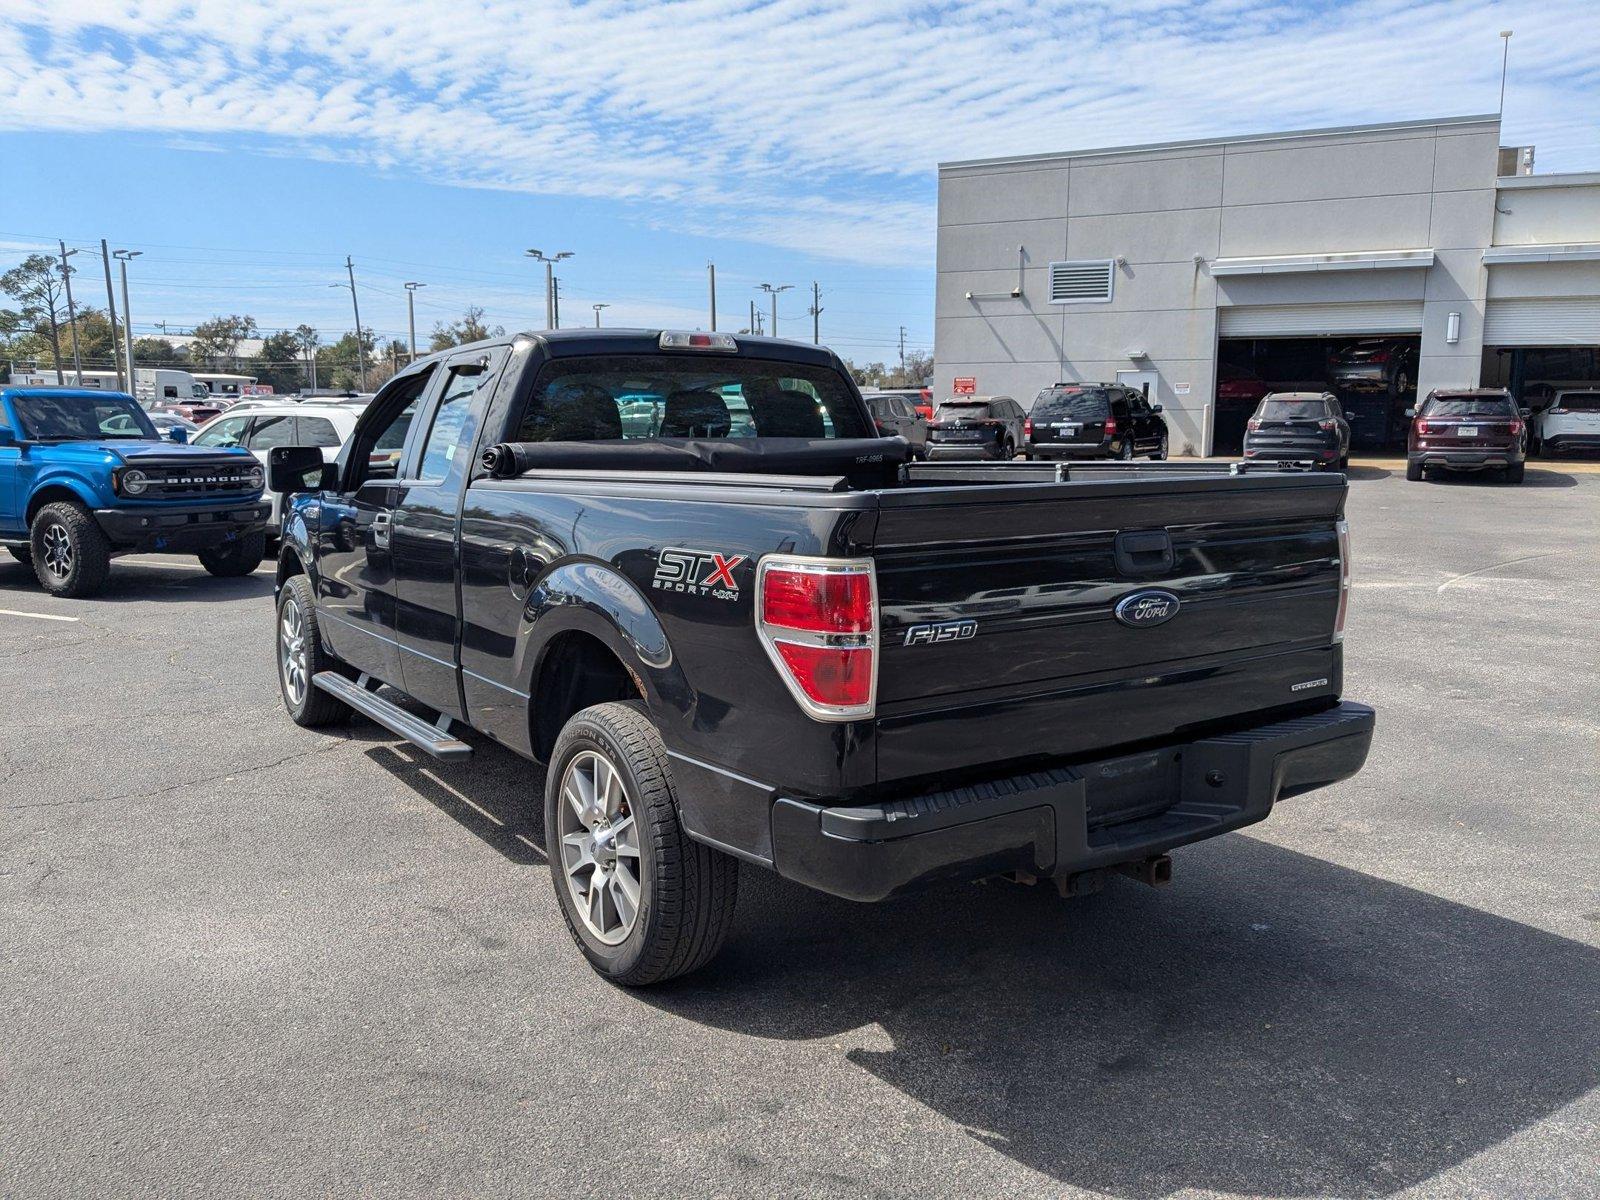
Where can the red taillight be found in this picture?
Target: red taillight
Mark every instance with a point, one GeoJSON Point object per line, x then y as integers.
{"type": "Point", "coordinates": [1111, 426]}
{"type": "Point", "coordinates": [1327, 426]}
{"type": "Point", "coordinates": [1425, 427]}
{"type": "Point", "coordinates": [1027, 427]}
{"type": "Point", "coordinates": [1343, 527]}
{"type": "Point", "coordinates": [818, 621]}
{"type": "Point", "coordinates": [1516, 428]}
{"type": "Point", "coordinates": [1253, 424]}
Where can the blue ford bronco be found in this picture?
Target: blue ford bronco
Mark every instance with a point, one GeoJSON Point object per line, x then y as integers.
{"type": "Point", "coordinates": [84, 477]}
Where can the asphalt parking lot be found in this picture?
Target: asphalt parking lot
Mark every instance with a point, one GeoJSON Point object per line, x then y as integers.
{"type": "Point", "coordinates": [245, 958]}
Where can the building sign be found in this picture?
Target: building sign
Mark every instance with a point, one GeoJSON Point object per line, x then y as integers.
{"type": "Point", "coordinates": [1181, 389]}
{"type": "Point", "coordinates": [965, 385]}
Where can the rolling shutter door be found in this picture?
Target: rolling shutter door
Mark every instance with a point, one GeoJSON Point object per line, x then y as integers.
{"type": "Point", "coordinates": [1524, 321]}
{"type": "Point", "coordinates": [1311, 320]}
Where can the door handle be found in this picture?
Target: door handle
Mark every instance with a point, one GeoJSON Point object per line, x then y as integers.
{"type": "Point", "coordinates": [380, 531]}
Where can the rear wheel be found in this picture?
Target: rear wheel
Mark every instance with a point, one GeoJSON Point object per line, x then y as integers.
{"type": "Point", "coordinates": [1126, 453]}
{"type": "Point", "coordinates": [233, 559]}
{"type": "Point", "coordinates": [643, 902]}
{"type": "Point", "coordinates": [1515, 472]}
{"type": "Point", "coordinates": [71, 557]}
{"type": "Point", "coordinates": [1009, 450]}
{"type": "Point", "coordinates": [1160, 452]}
{"type": "Point", "coordinates": [1413, 471]}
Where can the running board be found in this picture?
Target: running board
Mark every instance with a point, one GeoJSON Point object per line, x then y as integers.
{"type": "Point", "coordinates": [434, 738]}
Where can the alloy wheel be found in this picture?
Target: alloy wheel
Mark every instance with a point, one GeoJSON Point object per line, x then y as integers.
{"type": "Point", "coordinates": [57, 551]}
{"type": "Point", "coordinates": [292, 657]}
{"type": "Point", "coordinates": [600, 857]}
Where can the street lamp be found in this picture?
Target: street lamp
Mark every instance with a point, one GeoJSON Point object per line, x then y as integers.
{"type": "Point", "coordinates": [411, 314]}
{"type": "Point", "coordinates": [597, 308]}
{"type": "Point", "coordinates": [549, 261]}
{"type": "Point", "coordinates": [773, 292]}
{"type": "Point", "coordinates": [124, 257]}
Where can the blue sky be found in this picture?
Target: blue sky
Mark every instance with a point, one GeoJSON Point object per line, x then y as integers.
{"type": "Point", "coordinates": [247, 146]}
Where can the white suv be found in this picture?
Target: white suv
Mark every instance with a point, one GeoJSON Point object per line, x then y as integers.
{"type": "Point", "coordinates": [284, 423]}
{"type": "Point", "coordinates": [1572, 422]}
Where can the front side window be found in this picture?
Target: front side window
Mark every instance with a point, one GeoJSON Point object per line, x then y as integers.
{"type": "Point", "coordinates": [226, 432]}
{"type": "Point", "coordinates": [77, 418]}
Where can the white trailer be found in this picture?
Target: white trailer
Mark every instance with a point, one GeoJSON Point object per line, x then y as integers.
{"type": "Point", "coordinates": [150, 384]}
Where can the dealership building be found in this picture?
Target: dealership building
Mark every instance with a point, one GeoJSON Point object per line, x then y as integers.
{"type": "Point", "coordinates": [1268, 260]}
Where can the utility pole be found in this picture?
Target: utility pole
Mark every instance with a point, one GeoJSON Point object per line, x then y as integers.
{"type": "Point", "coordinates": [902, 351]}
{"type": "Point", "coordinates": [361, 349]}
{"type": "Point", "coordinates": [752, 316]}
{"type": "Point", "coordinates": [411, 314]}
{"type": "Point", "coordinates": [1505, 61]}
{"type": "Point", "coordinates": [774, 292]}
{"type": "Point", "coordinates": [711, 275]}
{"type": "Point", "coordinates": [124, 257]}
{"type": "Point", "coordinates": [111, 311]}
{"type": "Point", "coordinates": [549, 262]}
{"type": "Point", "coordinates": [72, 313]}
{"type": "Point", "coordinates": [597, 308]}
{"type": "Point", "coordinates": [816, 313]}
{"type": "Point", "coordinates": [555, 297]}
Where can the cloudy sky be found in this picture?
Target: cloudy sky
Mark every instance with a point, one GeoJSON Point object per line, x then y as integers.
{"type": "Point", "coordinates": [246, 146]}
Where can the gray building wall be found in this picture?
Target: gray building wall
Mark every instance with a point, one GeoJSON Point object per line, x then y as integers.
{"type": "Point", "coordinates": [1167, 213]}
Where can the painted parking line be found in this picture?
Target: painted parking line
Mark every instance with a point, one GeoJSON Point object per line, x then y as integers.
{"type": "Point", "coordinates": [13, 612]}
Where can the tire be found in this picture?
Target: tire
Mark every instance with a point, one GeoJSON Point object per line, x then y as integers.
{"type": "Point", "coordinates": [234, 559]}
{"type": "Point", "coordinates": [1414, 471]}
{"type": "Point", "coordinates": [1515, 472]}
{"type": "Point", "coordinates": [684, 891]}
{"type": "Point", "coordinates": [71, 556]}
{"type": "Point", "coordinates": [299, 654]}
{"type": "Point", "coordinates": [1008, 452]}
{"type": "Point", "coordinates": [1126, 453]}
{"type": "Point", "coordinates": [1159, 454]}
{"type": "Point", "coordinates": [22, 554]}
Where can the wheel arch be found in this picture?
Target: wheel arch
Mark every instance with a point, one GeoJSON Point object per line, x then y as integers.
{"type": "Point", "coordinates": [57, 491]}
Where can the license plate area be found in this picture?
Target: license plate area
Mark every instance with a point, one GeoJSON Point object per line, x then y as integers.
{"type": "Point", "coordinates": [1137, 785]}
{"type": "Point", "coordinates": [1466, 431]}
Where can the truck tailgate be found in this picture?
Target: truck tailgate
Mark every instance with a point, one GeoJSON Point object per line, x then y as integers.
{"type": "Point", "coordinates": [999, 606]}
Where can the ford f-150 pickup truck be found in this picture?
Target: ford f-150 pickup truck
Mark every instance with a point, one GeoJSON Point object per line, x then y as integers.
{"type": "Point", "coordinates": [84, 477]}
{"type": "Point", "coordinates": [680, 570]}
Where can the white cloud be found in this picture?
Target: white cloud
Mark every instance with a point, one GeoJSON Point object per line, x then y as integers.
{"type": "Point", "coordinates": [808, 124]}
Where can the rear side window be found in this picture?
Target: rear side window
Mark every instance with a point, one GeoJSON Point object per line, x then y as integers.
{"type": "Point", "coordinates": [1293, 410]}
{"type": "Point", "coordinates": [317, 431]}
{"type": "Point", "coordinates": [268, 432]}
{"type": "Point", "coordinates": [1470, 406]}
{"type": "Point", "coordinates": [1585, 402]}
{"type": "Point", "coordinates": [1071, 404]}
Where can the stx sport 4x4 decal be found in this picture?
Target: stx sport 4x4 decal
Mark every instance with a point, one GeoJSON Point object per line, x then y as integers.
{"type": "Point", "coordinates": [697, 572]}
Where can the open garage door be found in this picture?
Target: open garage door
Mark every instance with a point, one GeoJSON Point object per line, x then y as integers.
{"type": "Point", "coordinates": [1314, 320]}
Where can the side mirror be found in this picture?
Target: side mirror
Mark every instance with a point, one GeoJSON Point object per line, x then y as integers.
{"type": "Point", "coordinates": [1526, 412]}
{"type": "Point", "coordinates": [1155, 408]}
{"type": "Point", "coordinates": [1410, 412]}
{"type": "Point", "coordinates": [178, 434]}
{"type": "Point", "coordinates": [1350, 416]}
{"type": "Point", "coordinates": [298, 469]}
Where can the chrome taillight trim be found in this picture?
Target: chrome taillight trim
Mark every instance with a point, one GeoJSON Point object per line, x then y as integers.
{"type": "Point", "coordinates": [771, 634]}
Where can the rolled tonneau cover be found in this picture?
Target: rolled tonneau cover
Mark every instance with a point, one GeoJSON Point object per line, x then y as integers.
{"type": "Point", "coordinates": [866, 462]}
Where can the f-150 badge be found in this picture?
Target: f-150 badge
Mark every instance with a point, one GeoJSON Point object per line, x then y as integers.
{"type": "Point", "coordinates": [697, 572]}
{"type": "Point", "coordinates": [944, 631]}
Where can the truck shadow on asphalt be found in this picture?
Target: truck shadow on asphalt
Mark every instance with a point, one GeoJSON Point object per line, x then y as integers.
{"type": "Point", "coordinates": [1272, 1024]}
{"type": "Point", "coordinates": [148, 581]}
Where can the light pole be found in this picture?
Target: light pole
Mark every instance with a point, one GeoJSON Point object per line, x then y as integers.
{"type": "Point", "coordinates": [774, 292]}
{"type": "Point", "coordinates": [1505, 61]}
{"type": "Point", "coordinates": [125, 257]}
{"type": "Point", "coordinates": [111, 311]}
{"type": "Point", "coordinates": [597, 308]}
{"type": "Point", "coordinates": [411, 314]}
{"type": "Point", "coordinates": [72, 314]}
{"type": "Point", "coordinates": [711, 273]}
{"type": "Point", "coordinates": [549, 262]}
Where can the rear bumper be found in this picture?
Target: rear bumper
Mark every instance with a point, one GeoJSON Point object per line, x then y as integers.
{"type": "Point", "coordinates": [1067, 820]}
{"type": "Point", "coordinates": [181, 529]}
{"type": "Point", "coordinates": [1466, 460]}
{"type": "Point", "coordinates": [964, 450]}
{"type": "Point", "coordinates": [1572, 441]}
{"type": "Point", "coordinates": [1069, 450]}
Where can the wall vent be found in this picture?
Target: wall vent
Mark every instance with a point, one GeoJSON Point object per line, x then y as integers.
{"type": "Point", "coordinates": [1084, 282]}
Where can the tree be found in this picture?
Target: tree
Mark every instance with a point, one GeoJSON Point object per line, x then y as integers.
{"type": "Point", "coordinates": [34, 284]}
{"type": "Point", "coordinates": [307, 338]}
{"type": "Point", "coordinates": [918, 370]}
{"type": "Point", "coordinates": [217, 341]}
{"type": "Point", "coordinates": [871, 375]}
{"type": "Point", "coordinates": [155, 352]}
{"type": "Point", "coordinates": [279, 363]}
{"type": "Point", "coordinates": [469, 329]}
{"type": "Point", "coordinates": [338, 365]}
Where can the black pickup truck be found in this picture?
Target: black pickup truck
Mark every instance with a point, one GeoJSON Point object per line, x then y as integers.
{"type": "Point", "coordinates": [680, 570]}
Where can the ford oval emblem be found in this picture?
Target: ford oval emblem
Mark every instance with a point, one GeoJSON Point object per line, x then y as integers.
{"type": "Point", "coordinates": [1144, 609]}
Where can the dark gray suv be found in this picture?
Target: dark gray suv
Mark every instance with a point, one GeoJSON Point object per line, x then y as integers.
{"type": "Point", "coordinates": [977, 427]}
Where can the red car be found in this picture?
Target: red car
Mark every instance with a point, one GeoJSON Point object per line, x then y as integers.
{"type": "Point", "coordinates": [1238, 387]}
{"type": "Point", "coordinates": [197, 411]}
{"type": "Point", "coordinates": [1468, 429]}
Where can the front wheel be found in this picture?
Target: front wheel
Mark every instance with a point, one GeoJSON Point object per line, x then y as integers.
{"type": "Point", "coordinates": [301, 657]}
{"type": "Point", "coordinates": [71, 556]}
{"type": "Point", "coordinates": [642, 901]}
{"type": "Point", "coordinates": [233, 559]}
